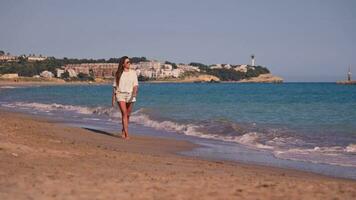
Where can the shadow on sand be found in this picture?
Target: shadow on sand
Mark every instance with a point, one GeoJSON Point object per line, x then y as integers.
{"type": "Point", "coordinates": [101, 132]}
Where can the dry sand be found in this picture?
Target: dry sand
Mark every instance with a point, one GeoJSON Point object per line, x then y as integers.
{"type": "Point", "coordinates": [41, 159]}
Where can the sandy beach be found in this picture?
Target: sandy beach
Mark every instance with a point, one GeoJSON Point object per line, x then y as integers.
{"type": "Point", "coordinates": [41, 159]}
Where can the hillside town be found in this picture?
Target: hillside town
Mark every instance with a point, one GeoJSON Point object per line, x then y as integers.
{"type": "Point", "coordinates": [150, 69]}
{"type": "Point", "coordinates": [12, 58]}
{"type": "Point", "coordinates": [146, 69]}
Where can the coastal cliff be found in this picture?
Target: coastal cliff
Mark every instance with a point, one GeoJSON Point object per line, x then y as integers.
{"type": "Point", "coordinates": [263, 78]}
{"type": "Point", "coordinates": [189, 79]}
{"type": "Point", "coordinates": [200, 78]}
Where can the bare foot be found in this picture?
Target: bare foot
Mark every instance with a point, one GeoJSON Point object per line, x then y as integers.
{"type": "Point", "coordinates": [127, 136]}
{"type": "Point", "coordinates": [123, 135]}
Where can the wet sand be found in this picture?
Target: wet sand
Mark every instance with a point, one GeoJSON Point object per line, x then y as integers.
{"type": "Point", "coordinates": [41, 159]}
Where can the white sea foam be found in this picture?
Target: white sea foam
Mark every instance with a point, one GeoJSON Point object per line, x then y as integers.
{"type": "Point", "coordinates": [51, 107]}
{"type": "Point", "coordinates": [8, 87]}
{"type": "Point", "coordinates": [144, 119]}
{"type": "Point", "coordinates": [351, 148]}
{"type": "Point", "coordinates": [334, 155]}
{"type": "Point", "coordinates": [140, 117]}
{"type": "Point", "coordinates": [285, 141]}
{"type": "Point", "coordinates": [281, 146]}
{"type": "Point", "coordinates": [251, 139]}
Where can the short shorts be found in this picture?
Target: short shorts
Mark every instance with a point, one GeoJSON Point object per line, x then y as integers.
{"type": "Point", "coordinates": [125, 96]}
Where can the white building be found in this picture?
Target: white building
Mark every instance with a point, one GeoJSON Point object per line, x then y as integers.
{"type": "Point", "coordinates": [166, 73]}
{"type": "Point", "coordinates": [146, 73]}
{"type": "Point", "coordinates": [135, 66]}
{"type": "Point", "coordinates": [9, 76]}
{"type": "Point", "coordinates": [176, 73]}
{"type": "Point", "coordinates": [167, 67]}
{"type": "Point", "coordinates": [227, 66]}
{"type": "Point", "coordinates": [156, 73]}
{"type": "Point", "coordinates": [216, 66]}
{"type": "Point", "coordinates": [241, 68]}
{"type": "Point", "coordinates": [150, 64]}
{"type": "Point", "coordinates": [72, 73]}
{"type": "Point", "coordinates": [8, 58]}
{"type": "Point", "coordinates": [36, 58]}
{"type": "Point", "coordinates": [188, 67]}
{"type": "Point", "coordinates": [59, 72]}
{"type": "Point", "coordinates": [46, 74]}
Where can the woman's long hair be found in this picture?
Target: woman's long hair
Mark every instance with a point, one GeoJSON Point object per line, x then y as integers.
{"type": "Point", "coordinates": [120, 69]}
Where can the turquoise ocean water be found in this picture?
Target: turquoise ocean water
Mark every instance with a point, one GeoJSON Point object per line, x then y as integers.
{"type": "Point", "coordinates": [308, 126]}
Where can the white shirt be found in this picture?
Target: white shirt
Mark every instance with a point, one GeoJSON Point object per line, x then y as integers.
{"type": "Point", "coordinates": [127, 81]}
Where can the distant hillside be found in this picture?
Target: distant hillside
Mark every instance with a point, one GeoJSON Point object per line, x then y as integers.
{"type": "Point", "coordinates": [233, 72]}
{"type": "Point", "coordinates": [28, 69]}
{"type": "Point", "coordinates": [223, 72]}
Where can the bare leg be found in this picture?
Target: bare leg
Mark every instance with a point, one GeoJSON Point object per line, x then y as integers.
{"type": "Point", "coordinates": [124, 117]}
{"type": "Point", "coordinates": [122, 133]}
{"type": "Point", "coordinates": [129, 107]}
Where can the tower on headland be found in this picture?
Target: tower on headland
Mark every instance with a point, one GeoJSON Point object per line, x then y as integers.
{"type": "Point", "coordinates": [253, 60]}
{"type": "Point", "coordinates": [349, 74]}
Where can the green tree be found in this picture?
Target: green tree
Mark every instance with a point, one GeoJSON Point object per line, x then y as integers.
{"type": "Point", "coordinates": [138, 59]}
{"type": "Point", "coordinates": [143, 78]}
{"type": "Point", "coordinates": [65, 75]}
{"type": "Point", "coordinates": [113, 60]}
{"type": "Point", "coordinates": [174, 66]}
{"type": "Point", "coordinates": [85, 77]}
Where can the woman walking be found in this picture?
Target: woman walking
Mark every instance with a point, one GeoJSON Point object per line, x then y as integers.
{"type": "Point", "coordinates": [125, 88]}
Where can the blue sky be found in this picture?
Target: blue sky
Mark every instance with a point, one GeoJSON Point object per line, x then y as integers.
{"type": "Point", "coordinates": [300, 40]}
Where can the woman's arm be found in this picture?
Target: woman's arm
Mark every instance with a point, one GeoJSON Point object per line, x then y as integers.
{"type": "Point", "coordinates": [113, 97]}
{"type": "Point", "coordinates": [134, 91]}
{"type": "Point", "coordinates": [135, 88]}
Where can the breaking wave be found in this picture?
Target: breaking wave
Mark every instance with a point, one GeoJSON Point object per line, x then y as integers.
{"type": "Point", "coordinates": [8, 87]}
{"type": "Point", "coordinates": [279, 143]}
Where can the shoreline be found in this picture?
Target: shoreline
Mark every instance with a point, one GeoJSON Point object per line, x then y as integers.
{"type": "Point", "coordinates": [36, 83]}
{"type": "Point", "coordinates": [27, 147]}
{"type": "Point", "coordinates": [45, 83]}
